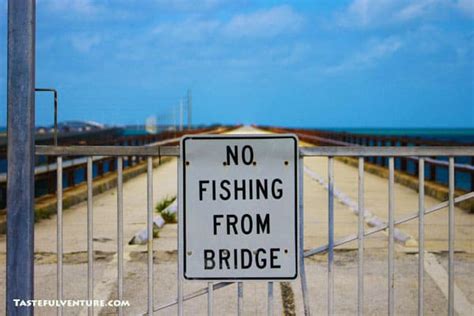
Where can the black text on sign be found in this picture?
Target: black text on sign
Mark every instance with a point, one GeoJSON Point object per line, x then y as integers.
{"type": "Point", "coordinates": [239, 207]}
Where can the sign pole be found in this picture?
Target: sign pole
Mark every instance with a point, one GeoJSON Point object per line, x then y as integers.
{"type": "Point", "coordinates": [21, 155]}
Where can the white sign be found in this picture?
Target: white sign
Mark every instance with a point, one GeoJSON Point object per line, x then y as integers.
{"type": "Point", "coordinates": [238, 205]}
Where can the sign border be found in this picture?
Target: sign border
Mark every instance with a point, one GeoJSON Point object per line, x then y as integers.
{"type": "Point", "coordinates": [182, 234]}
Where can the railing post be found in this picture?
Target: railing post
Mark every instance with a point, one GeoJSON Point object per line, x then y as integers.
{"type": "Point", "coordinates": [113, 164]}
{"type": "Point", "coordinates": [50, 178]}
{"type": "Point", "coordinates": [472, 176]}
{"type": "Point", "coordinates": [403, 160]}
{"type": "Point", "coordinates": [70, 177]}
{"type": "Point", "coordinates": [100, 168]}
{"type": "Point", "coordinates": [330, 236]}
{"type": "Point", "coordinates": [391, 240]}
{"type": "Point", "coordinates": [21, 155]}
{"type": "Point", "coordinates": [433, 171]}
{"type": "Point", "coordinates": [451, 235]}
{"type": "Point", "coordinates": [384, 159]}
{"type": "Point", "coordinates": [304, 284]}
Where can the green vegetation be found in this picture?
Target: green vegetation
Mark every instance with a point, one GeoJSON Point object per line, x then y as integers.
{"type": "Point", "coordinates": [164, 203]}
{"type": "Point", "coordinates": [168, 217]}
{"type": "Point", "coordinates": [156, 232]}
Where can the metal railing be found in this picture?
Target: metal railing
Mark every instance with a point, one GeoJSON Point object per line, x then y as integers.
{"type": "Point", "coordinates": [75, 168]}
{"type": "Point", "coordinates": [360, 152]}
{"type": "Point", "coordinates": [408, 165]}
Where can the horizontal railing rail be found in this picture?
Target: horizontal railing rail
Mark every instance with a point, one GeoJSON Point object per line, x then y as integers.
{"type": "Point", "coordinates": [459, 166]}
{"type": "Point", "coordinates": [321, 151]}
{"type": "Point", "coordinates": [42, 169]}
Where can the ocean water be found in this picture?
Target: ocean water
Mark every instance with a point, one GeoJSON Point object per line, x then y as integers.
{"type": "Point", "coordinates": [461, 135]}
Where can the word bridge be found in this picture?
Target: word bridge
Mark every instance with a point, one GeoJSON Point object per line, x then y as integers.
{"type": "Point", "coordinates": [239, 206]}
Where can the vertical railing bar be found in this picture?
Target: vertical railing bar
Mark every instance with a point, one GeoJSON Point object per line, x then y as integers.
{"type": "Point", "coordinates": [421, 234]}
{"type": "Point", "coordinates": [240, 298]}
{"type": "Point", "coordinates": [270, 299]}
{"type": "Point", "coordinates": [361, 207]}
{"type": "Point", "coordinates": [90, 236]}
{"type": "Point", "coordinates": [59, 232]}
{"type": "Point", "coordinates": [304, 284]}
{"type": "Point", "coordinates": [210, 298]}
{"type": "Point", "coordinates": [451, 238]}
{"type": "Point", "coordinates": [330, 236]}
{"type": "Point", "coordinates": [150, 232]}
{"type": "Point", "coordinates": [180, 246]}
{"type": "Point", "coordinates": [120, 232]}
{"type": "Point", "coordinates": [391, 244]}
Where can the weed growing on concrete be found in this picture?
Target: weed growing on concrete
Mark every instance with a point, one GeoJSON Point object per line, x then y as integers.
{"type": "Point", "coordinates": [164, 203]}
{"type": "Point", "coordinates": [167, 216]}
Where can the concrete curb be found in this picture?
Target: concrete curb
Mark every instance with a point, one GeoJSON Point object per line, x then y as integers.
{"type": "Point", "coordinates": [369, 217]}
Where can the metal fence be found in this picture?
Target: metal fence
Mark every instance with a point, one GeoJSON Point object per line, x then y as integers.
{"type": "Point", "coordinates": [75, 169]}
{"type": "Point", "coordinates": [434, 167]}
{"type": "Point", "coordinates": [330, 152]}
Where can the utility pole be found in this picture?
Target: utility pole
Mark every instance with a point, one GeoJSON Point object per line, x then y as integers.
{"type": "Point", "coordinates": [190, 104]}
{"type": "Point", "coordinates": [21, 155]}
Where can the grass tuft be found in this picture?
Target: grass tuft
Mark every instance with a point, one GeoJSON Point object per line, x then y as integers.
{"type": "Point", "coordinates": [164, 203]}
{"type": "Point", "coordinates": [169, 218]}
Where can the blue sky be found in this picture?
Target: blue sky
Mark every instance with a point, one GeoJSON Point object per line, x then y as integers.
{"type": "Point", "coordinates": [360, 63]}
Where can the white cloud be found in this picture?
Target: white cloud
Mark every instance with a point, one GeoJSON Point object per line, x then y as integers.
{"type": "Point", "coordinates": [85, 42]}
{"type": "Point", "coordinates": [264, 23]}
{"type": "Point", "coordinates": [191, 5]}
{"type": "Point", "coordinates": [188, 30]}
{"type": "Point", "coordinates": [259, 24]}
{"type": "Point", "coordinates": [417, 9]}
{"type": "Point", "coordinates": [466, 7]}
{"type": "Point", "coordinates": [376, 51]}
{"type": "Point", "coordinates": [218, 41]}
{"type": "Point", "coordinates": [364, 12]}
{"type": "Point", "coordinates": [374, 13]}
{"type": "Point", "coordinates": [83, 7]}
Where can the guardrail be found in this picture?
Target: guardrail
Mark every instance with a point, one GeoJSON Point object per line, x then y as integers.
{"type": "Point", "coordinates": [74, 167]}
{"type": "Point", "coordinates": [359, 152]}
{"type": "Point", "coordinates": [434, 167]}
